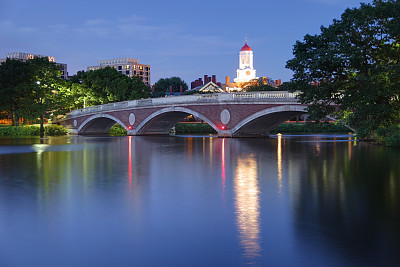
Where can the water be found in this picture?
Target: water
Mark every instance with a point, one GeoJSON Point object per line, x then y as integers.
{"type": "Point", "coordinates": [320, 200]}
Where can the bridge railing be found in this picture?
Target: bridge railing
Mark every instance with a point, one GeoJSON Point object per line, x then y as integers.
{"type": "Point", "coordinates": [221, 97]}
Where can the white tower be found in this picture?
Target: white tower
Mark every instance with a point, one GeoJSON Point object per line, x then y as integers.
{"type": "Point", "coordinates": [245, 72]}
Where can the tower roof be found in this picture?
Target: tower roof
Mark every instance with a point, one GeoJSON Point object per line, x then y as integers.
{"type": "Point", "coordinates": [246, 47]}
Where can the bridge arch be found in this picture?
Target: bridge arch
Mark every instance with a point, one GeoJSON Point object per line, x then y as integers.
{"type": "Point", "coordinates": [259, 123]}
{"type": "Point", "coordinates": [164, 119]}
{"type": "Point", "coordinates": [98, 124]}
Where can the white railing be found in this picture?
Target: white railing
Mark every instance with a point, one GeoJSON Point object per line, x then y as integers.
{"type": "Point", "coordinates": [186, 99]}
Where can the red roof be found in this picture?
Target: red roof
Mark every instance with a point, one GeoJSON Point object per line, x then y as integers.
{"type": "Point", "coordinates": [246, 48]}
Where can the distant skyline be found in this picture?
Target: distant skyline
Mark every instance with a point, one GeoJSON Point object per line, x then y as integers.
{"type": "Point", "coordinates": [177, 38]}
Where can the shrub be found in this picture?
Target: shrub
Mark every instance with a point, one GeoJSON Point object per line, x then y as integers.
{"type": "Point", "coordinates": [310, 127]}
{"type": "Point", "coordinates": [389, 135]}
{"type": "Point", "coordinates": [54, 129]}
{"type": "Point", "coordinates": [194, 128]}
{"type": "Point", "coordinates": [19, 131]}
{"type": "Point", "coordinates": [117, 129]}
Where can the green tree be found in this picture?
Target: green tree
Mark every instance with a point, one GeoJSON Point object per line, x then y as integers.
{"type": "Point", "coordinates": [163, 84]}
{"type": "Point", "coordinates": [356, 62]}
{"type": "Point", "coordinates": [14, 85]}
{"type": "Point", "coordinates": [104, 86]}
{"type": "Point", "coordinates": [44, 98]}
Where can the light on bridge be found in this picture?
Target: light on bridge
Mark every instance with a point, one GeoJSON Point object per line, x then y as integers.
{"type": "Point", "coordinates": [129, 127]}
{"type": "Point", "coordinates": [223, 127]}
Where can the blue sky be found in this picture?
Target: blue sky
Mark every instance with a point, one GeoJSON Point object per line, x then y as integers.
{"type": "Point", "coordinates": [176, 37]}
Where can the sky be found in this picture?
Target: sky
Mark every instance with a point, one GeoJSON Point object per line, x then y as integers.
{"type": "Point", "coordinates": [180, 38]}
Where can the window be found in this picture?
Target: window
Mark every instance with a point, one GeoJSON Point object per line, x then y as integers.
{"type": "Point", "coordinates": [119, 67]}
{"type": "Point", "coordinates": [127, 72]}
{"type": "Point", "coordinates": [141, 67]}
{"type": "Point", "coordinates": [141, 73]}
{"type": "Point", "coordinates": [127, 67]}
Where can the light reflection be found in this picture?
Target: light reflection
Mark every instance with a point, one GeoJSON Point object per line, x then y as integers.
{"type": "Point", "coordinates": [279, 155]}
{"type": "Point", "coordinates": [349, 147]}
{"type": "Point", "coordinates": [190, 148]}
{"type": "Point", "coordinates": [223, 169]}
{"type": "Point", "coordinates": [248, 206]}
{"type": "Point", "coordinates": [130, 163]}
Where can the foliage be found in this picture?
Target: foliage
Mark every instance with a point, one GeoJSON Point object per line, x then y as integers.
{"type": "Point", "coordinates": [163, 84]}
{"type": "Point", "coordinates": [102, 86]}
{"type": "Point", "coordinates": [14, 85]}
{"type": "Point", "coordinates": [310, 127]}
{"type": "Point", "coordinates": [356, 62]}
{"type": "Point", "coordinates": [54, 129]}
{"type": "Point", "coordinates": [19, 131]}
{"type": "Point", "coordinates": [43, 99]}
{"type": "Point", "coordinates": [30, 90]}
{"type": "Point", "coordinates": [389, 135]}
{"type": "Point", "coordinates": [258, 85]}
{"type": "Point", "coordinates": [117, 129]}
{"type": "Point", "coordinates": [194, 128]}
{"type": "Point", "coordinates": [197, 92]}
{"type": "Point", "coordinates": [50, 130]}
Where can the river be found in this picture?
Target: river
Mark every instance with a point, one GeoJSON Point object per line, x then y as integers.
{"type": "Point", "coordinates": [317, 200]}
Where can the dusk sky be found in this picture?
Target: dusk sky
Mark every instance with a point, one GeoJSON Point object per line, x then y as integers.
{"type": "Point", "coordinates": [177, 38]}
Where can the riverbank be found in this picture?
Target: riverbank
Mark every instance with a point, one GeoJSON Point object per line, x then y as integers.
{"type": "Point", "coordinates": [285, 128]}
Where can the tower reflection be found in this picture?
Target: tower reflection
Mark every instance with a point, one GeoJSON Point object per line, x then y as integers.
{"type": "Point", "coordinates": [247, 206]}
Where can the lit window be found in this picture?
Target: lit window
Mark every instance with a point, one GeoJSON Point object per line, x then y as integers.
{"type": "Point", "coordinates": [127, 67]}
{"type": "Point", "coordinates": [141, 67]}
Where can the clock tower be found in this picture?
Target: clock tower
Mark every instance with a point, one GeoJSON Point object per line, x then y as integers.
{"type": "Point", "coordinates": [245, 72]}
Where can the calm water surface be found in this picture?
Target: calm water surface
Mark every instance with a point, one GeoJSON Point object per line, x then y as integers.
{"type": "Point", "coordinates": [198, 201]}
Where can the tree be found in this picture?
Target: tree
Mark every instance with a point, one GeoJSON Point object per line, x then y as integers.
{"type": "Point", "coordinates": [43, 98]}
{"type": "Point", "coordinates": [257, 85]}
{"type": "Point", "coordinates": [104, 86]}
{"type": "Point", "coordinates": [14, 85]}
{"type": "Point", "coordinates": [356, 63]}
{"type": "Point", "coordinates": [163, 84]}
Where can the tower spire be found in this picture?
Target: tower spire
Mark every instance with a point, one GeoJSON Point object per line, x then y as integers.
{"type": "Point", "coordinates": [245, 38]}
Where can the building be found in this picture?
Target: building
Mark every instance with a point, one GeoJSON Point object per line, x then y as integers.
{"type": "Point", "coordinates": [246, 74]}
{"type": "Point", "coordinates": [207, 79]}
{"type": "Point", "coordinates": [209, 87]}
{"type": "Point", "coordinates": [26, 56]}
{"type": "Point", "coordinates": [127, 66]}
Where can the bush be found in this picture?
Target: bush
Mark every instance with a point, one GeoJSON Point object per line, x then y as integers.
{"type": "Point", "coordinates": [54, 129]}
{"type": "Point", "coordinates": [310, 127]}
{"type": "Point", "coordinates": [194, 128]}
{"type": "Point", "coordinates": [19, 131]}
{"type": "Point", "coordinates": [388, 135]}
{"type": "Point", "coordinates": [117, 129]}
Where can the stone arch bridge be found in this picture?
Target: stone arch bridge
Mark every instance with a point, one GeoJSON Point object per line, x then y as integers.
{"type": "Point", "coordinates": [231, 115]}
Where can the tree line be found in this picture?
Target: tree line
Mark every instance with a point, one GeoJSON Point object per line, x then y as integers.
{"type": "Point", "coordinates": [351, 69]}
{"type": "Point", "coordinates": [32, 91]}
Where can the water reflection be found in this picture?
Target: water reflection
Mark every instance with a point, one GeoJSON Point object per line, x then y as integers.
{"type": "Point", "coordinates": [123, 199]}
{"type": "Point", "coordinates": [279, 157]}
{"type": "Point", "coordinates": [248, 206]}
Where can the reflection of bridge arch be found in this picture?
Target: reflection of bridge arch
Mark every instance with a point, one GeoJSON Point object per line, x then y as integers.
{"type": "Point", "coordinates": [164, 119]}
{"type": "Point", "coordinates": [98, 124]}
{"type": "Point", "coordinates": [259, 123]}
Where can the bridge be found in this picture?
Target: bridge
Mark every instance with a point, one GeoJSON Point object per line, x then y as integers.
{"type": "Point", "coordinates": [230, 114]}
